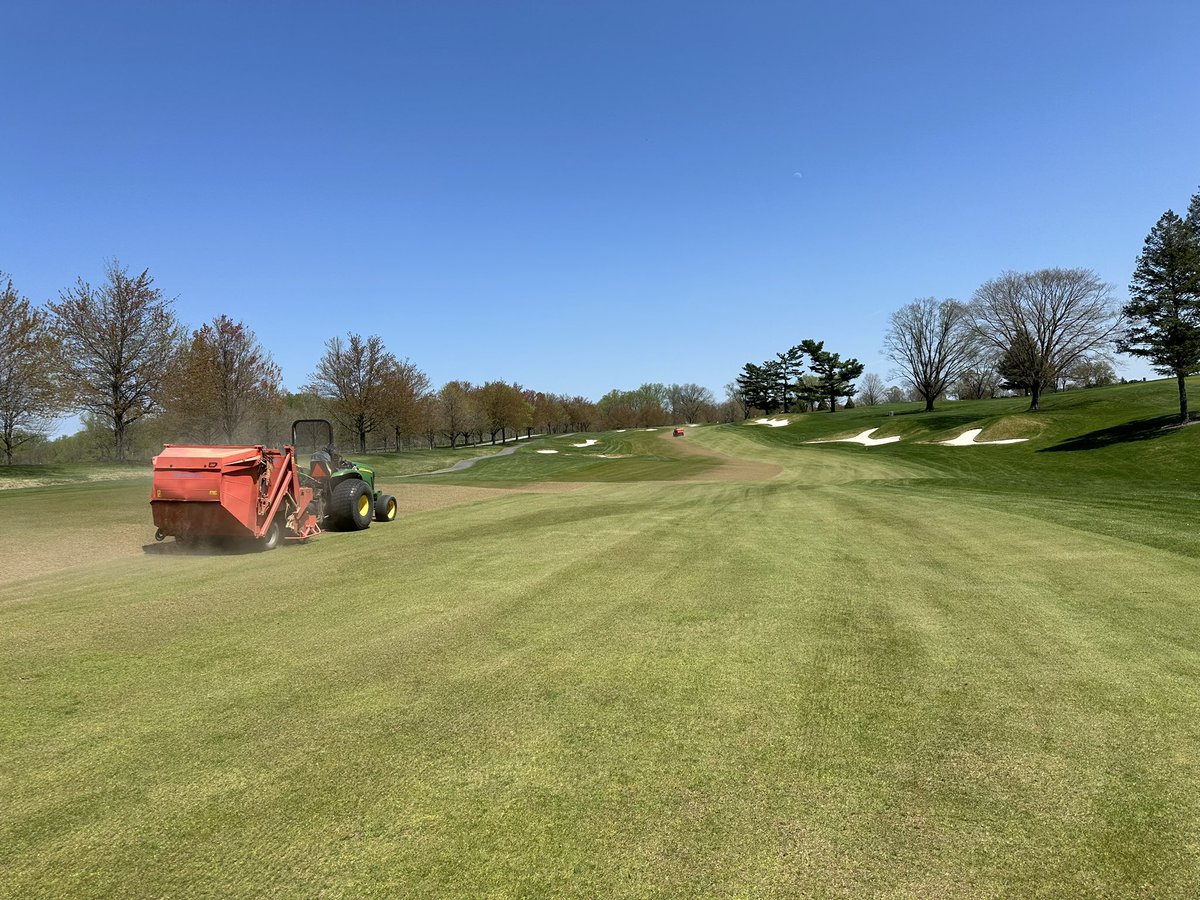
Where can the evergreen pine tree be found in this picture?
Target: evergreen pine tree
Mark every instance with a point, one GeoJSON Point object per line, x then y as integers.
{"type": "Point", "coordinates": [833, 373]}
{"type": "Point", "coordinates": [1163, 313]}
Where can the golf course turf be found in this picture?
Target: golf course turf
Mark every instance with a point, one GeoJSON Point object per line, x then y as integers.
{"type": "Point", "coordinates": [731, 664]}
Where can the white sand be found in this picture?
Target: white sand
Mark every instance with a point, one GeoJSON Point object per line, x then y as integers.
{"type": "Point", "coordinates": [620, 431]}
{"type": "Point", "coordinates": [587, 443]}
{"type": "Point", "coordinates": [547, 451]}
{"type": "Point", "coordinates": [774, 423]}
{"type": "Point", "coordinates": [865, 439]}
{"type": "Point", "coordinates": [650, 429]}
{"type": "Point", "coordinates": [690, 425]}
{"type": "Point", "coordinates": [967, 439]}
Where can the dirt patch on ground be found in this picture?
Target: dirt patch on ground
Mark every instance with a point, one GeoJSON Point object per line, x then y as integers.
{"type": "Point", "coordinates": [729, 468]}
{"type": "Point", "coordinates": [78, 547]}
{"type": "Point", "coordinates": [12, 484]}
{"type": "Point", "coordinates": [69, 549]}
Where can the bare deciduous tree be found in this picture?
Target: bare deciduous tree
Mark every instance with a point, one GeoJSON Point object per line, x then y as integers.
{"type": "Point", "coordinates": [549, 413]}
{"type": "Point", "coordinates": [503, 408]}
{"type": "Point", "coordinates": [1056, 317]}
{"type": "Point", "coordinates": [646, 406]}
{"type": "Point", "coordinates": [688, 401]}
{"type": "Point", "coordinates": [404, 390]}
{"type": "Point", "coordinates": [116, 343]}
{"type": "Point", "coordinates": [581, 413]}
{"type": "Point", "coordinates": [980, 381]}
{"type": "Point", "coordinates": [871, 390]}
{"type": "Point", "coordinates": [244, 373]}
{"type": "Point", "coordinates": [352, 377]}
{"type": "Point", "coordinates": [737, 397]}
{"type": "Point", "coordinates": [932, 343]}
{"type": "Point", "coordinates": [429, 418]}
{"type": "Point", "coordinates": [27, 396]}
{"type": "Point", "coordinates": [219, 379]}
{"type": "Point", "coordinates": [457, 412]}
{"type": "Point", "coordinates": [1089, 373]}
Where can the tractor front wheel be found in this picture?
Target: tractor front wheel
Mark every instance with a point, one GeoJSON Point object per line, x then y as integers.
{"type": "Point", "coordinates": [385, 508]}
{"type": "Point", "coordinates": [271, 537]}
{"type": "Point", "coordinates": [351, 505]}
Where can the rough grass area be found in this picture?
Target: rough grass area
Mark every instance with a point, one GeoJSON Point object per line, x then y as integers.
{"type": "Point", "coordinates": [902, 671]}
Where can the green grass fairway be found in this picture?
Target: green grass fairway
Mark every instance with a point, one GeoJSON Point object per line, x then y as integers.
{"type": "Point", "coordinates": [641, 455]}
{"type": "Point", "coordinates": [900, 671]}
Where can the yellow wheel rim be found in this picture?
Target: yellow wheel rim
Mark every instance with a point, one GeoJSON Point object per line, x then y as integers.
{"type": "Point", "coordinates": [364, 505]}
{"type": "Point", "coordinates": [391, 510]}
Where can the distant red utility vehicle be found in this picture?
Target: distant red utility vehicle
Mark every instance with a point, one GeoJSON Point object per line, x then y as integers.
{"type": "Point", "coordinates": [678, 432]}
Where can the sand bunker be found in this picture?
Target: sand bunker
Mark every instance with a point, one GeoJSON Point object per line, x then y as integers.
{"type": "Point", "coordinates": [587, 443]}
{"type": "Point", "coordinates": [967, 439]}
{"type": "Point", "coordinates": [650, 429]}
{"type": "Point", "coordinates": [620, 431]}
{"type": "Point", "coordinates": [545, 451]}
{"type": "Point", "coordinates": [774, 423]}
{"type": "Point", "coordinates": [865, 439]}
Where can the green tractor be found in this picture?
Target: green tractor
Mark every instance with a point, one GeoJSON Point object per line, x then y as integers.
{"type": "Point", "coordinates": [344, 494]}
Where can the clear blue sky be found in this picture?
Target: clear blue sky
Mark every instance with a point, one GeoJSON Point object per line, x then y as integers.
{"type": "Point", "coordinates": [580, 196]}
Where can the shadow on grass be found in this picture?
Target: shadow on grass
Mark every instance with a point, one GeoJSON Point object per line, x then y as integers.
{"type": "Point", "coordinates": [209, 547]}
{"type": "Point", "coordinates": [1126, 432]}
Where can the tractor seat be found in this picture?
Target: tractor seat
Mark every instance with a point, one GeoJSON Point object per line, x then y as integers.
{"type": "Point", "coordinates": [320, 466]}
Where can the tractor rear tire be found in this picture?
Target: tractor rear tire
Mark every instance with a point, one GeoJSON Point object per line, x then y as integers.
{"type": "Point", "coordinates": [385, 508]}
{"type": "Point", "coordinates": [350, 507]}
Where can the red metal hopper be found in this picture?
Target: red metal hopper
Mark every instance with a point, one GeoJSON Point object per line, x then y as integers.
{"type": "Point", "coordinates": [230, 491]}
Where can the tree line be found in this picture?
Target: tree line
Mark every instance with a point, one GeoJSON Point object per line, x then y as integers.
{"type": "Point", "coordinates": [116, 353]}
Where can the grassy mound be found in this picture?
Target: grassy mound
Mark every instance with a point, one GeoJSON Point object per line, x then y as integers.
{"type": "Point", "coordinates": [1074, 420]}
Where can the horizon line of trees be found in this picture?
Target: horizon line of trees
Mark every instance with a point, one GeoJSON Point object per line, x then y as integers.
{"type": "Point", "coordinates": [116, 353]}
